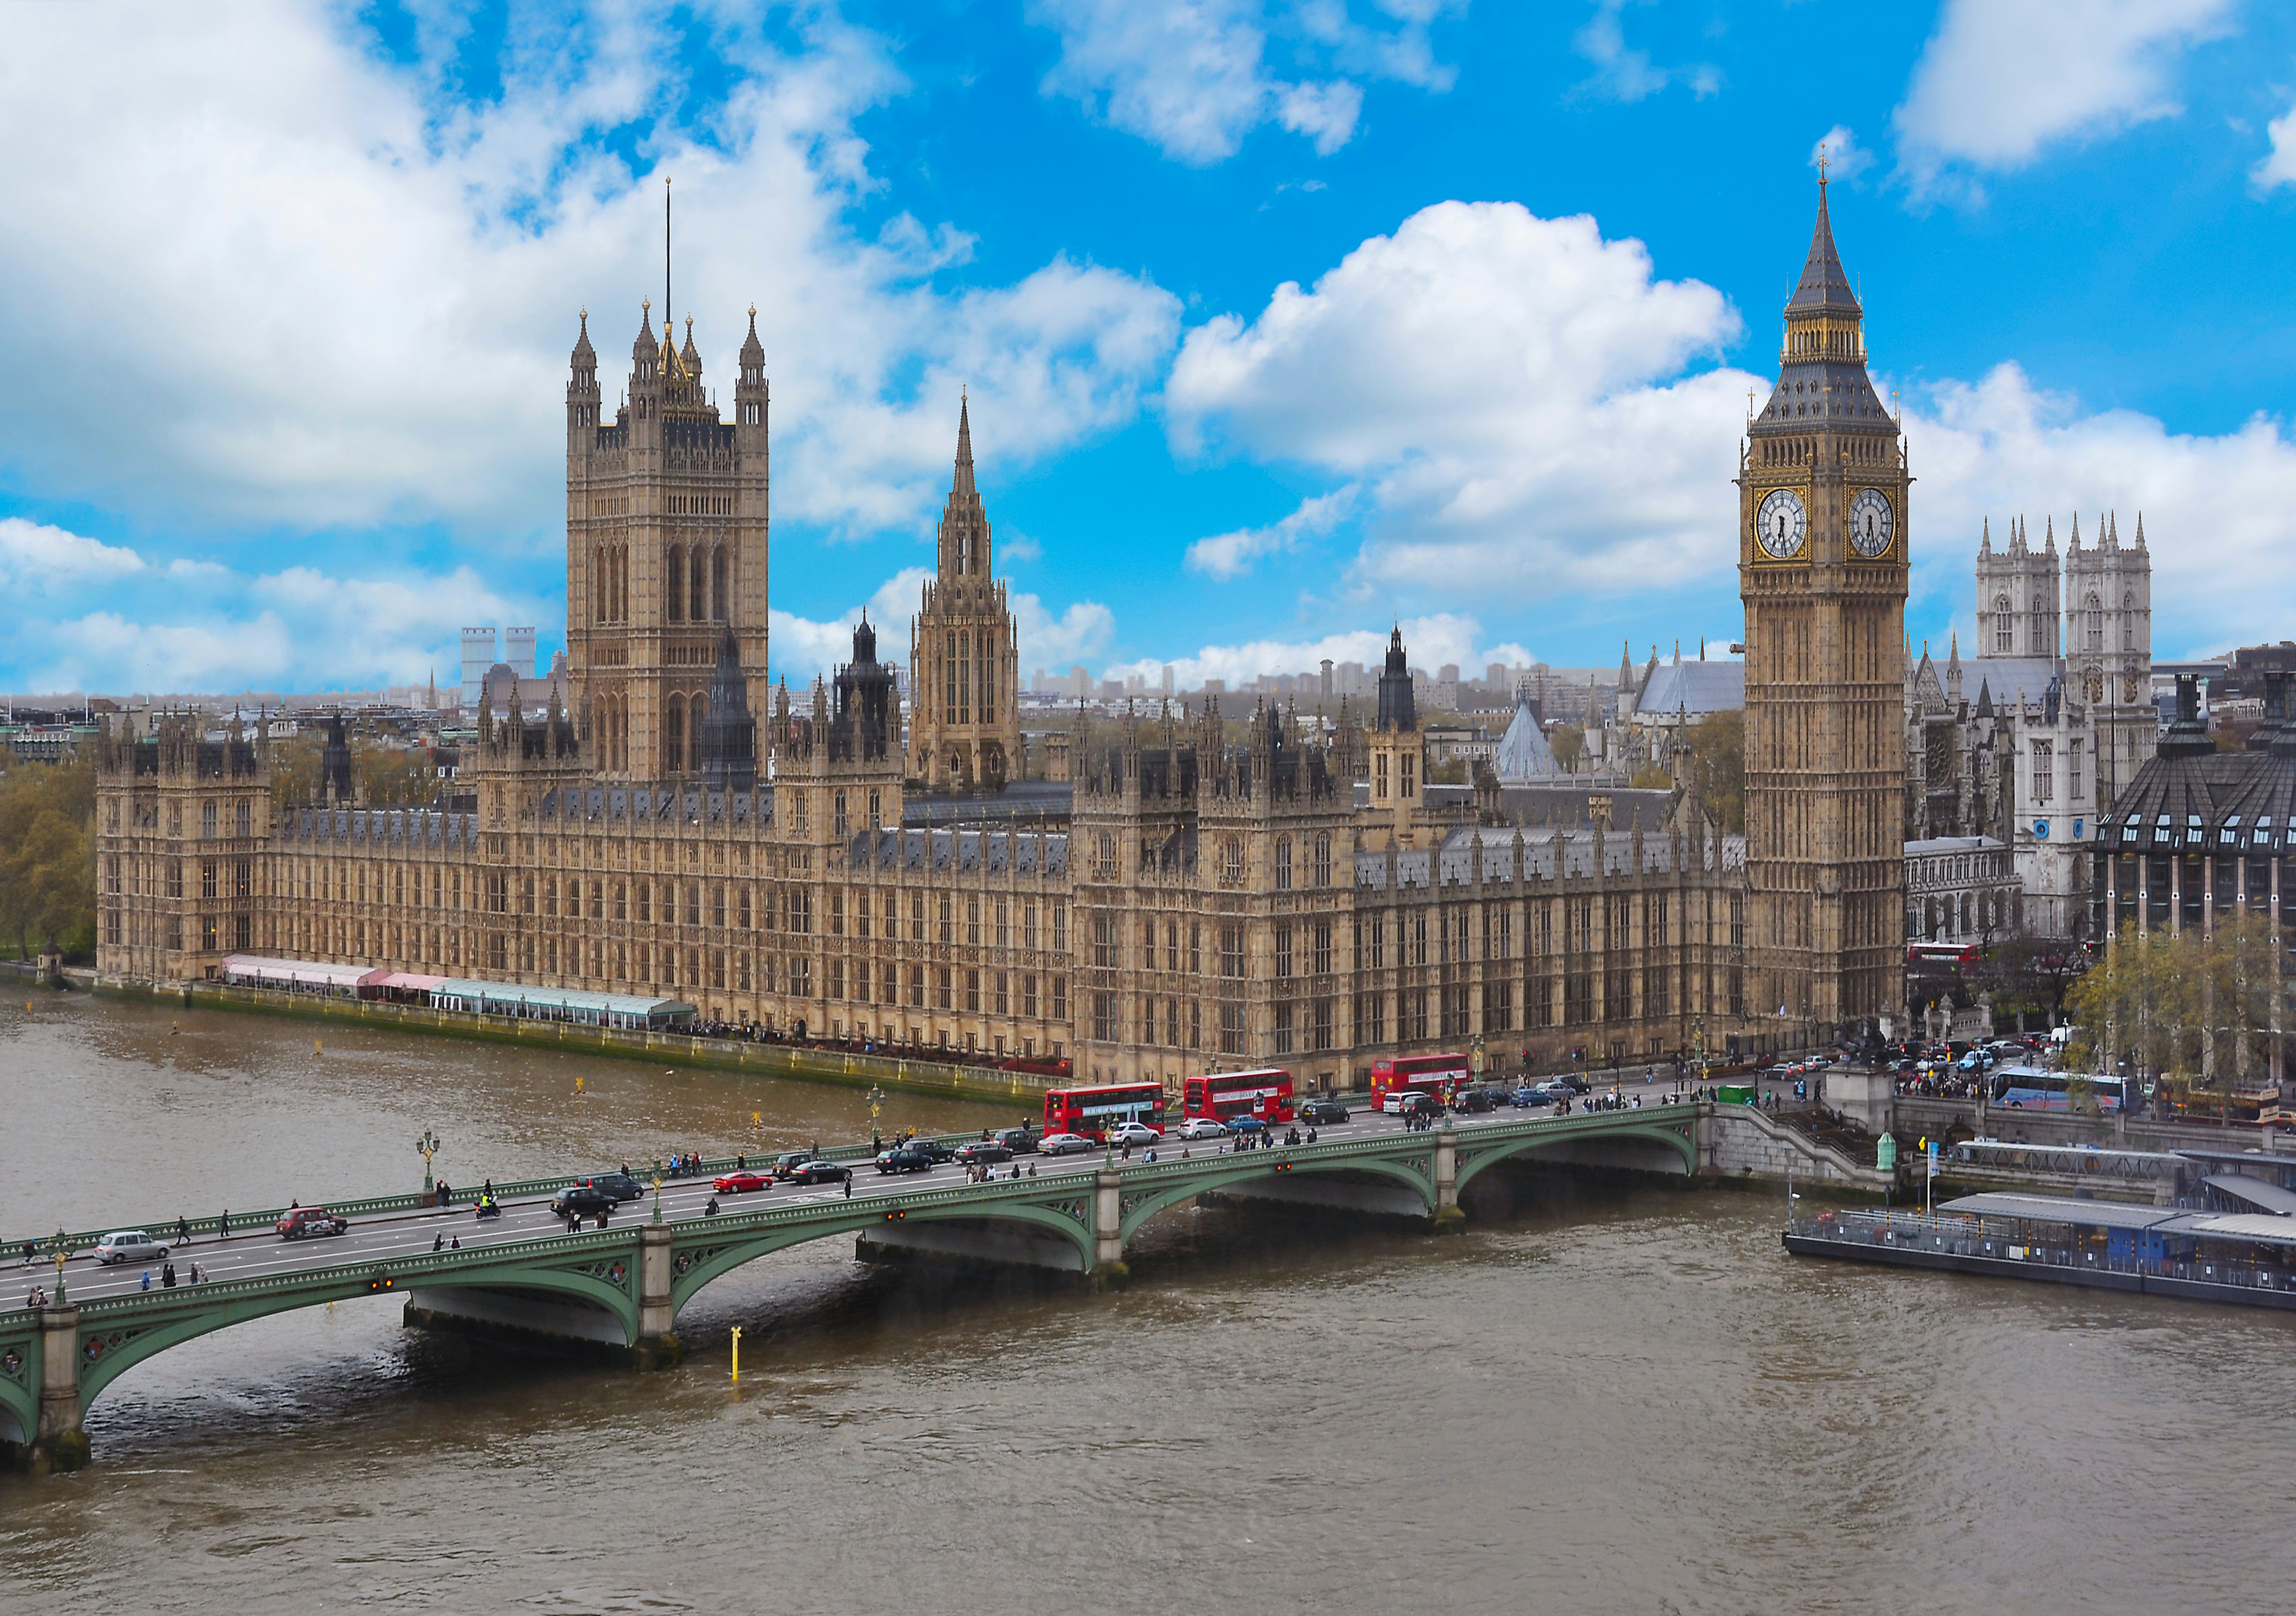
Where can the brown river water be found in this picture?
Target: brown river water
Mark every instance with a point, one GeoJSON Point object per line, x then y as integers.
{"type": "Point", "coordinates": [1602, 1397]}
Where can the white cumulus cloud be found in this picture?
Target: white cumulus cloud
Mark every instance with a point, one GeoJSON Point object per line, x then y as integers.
{"type": "Point", "coordinates": [1226, 556]}
{"type": "Point", "coordinates": [1195, 75]}
{"type": "Point", "coordinates": [1510, 390]}
{"type": "Point", "coordinates": [267, 276]}
{"type": "Point", "coordinates": [2214, 506]}
{"type": "Point", "coordinates": [1432, 640]}
{"type": "Point", "coordinates": [33, 556]}
{"type": "Point", "coordinates": [2002, 80]}
{"type": "Point", "coordinates": [2277, 166]}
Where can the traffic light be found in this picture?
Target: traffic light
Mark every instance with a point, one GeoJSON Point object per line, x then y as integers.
{"type": "Point", "coordinates": [895, 1216]}
{"type": "Point", "coordinates": [379, 1282]}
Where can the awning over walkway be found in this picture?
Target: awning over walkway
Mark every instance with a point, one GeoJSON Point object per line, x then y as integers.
{"type": "Point", "coordinates": [299, 972]}
{"type": "Point", "coordinates": [2253, 1192]}
{"type": "Point", "coordinates": [2059, 1209]}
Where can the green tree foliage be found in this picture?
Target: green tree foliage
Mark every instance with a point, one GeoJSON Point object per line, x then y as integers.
{"type": "Point", "coordinates": [1651, 777]}
{"type": "Point", "coordinates": [295, 770]}
{"type": "Point", "coordinates": [48, 856]}
{"type": "Point", "coordinates": [1570, 744]}
{"type": "Point", "coordinates": [2193, 1009]}
{"type": "Point", "coordinates": [392, 776]}
{"type": "Point", "coordinates": [1718, 767]}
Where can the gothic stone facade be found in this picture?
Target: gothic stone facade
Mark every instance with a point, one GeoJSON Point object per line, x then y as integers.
{"type": "Point", "coordinates": [1287, 890]}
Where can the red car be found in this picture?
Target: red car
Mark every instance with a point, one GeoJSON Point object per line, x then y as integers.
{"type": "Point", "coordinates": [306, 1220]}
{"type": "Point", "coordinates": [736, 1184]}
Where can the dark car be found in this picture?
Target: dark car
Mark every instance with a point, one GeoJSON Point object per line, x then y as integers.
{"type": "Point", "coordinates": [821, 1170]}
{"type": "Point", "coordinates": [933, 1148]}
{"type": "Point", "coordinates": [1322, 1112]}
{"type": "Point", "coordinates": [1473, 1100]}
{"type": "Point", "coordinates": [621, 1186]}
{"type": "Point", "coordinates": [983, 1151]}
{"type": "Point", "coordinates": [1420, 1105]}
{"type": "Point", "coordinates": [902, 1159]}
{"type": "Point", "coordinates": [1019, 1141]}
{"type": "Point", "coordinates": [1530, 1095]}
{"type": "Point", "coordinates": [786, 1164]}
{"type": "Point", "coordinates": [581, 1200]}
{"type": "Point", "coordinates": [1578, 1085]}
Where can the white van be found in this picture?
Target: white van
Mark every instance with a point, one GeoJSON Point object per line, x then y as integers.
{"type": "Point", "coordinates": [128, 1245]}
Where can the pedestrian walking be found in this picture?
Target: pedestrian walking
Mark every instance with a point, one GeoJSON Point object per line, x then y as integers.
{"type": "Point", "coordinates": [438, 1243]}
{"type": "Point", "coordinates": [147, 1279]}
{"type": "Point", "coordinates": [223, 1225]}
{"type": "Point", "coordinates": [849, 1187]}
{"type": "Point", "coordinates": [168, 1274]}
{"type": "Point", "coordinates": [183, 1231]}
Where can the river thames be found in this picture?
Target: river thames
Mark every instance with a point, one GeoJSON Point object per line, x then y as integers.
{"type": "Point", "coordinates": [1602, 1398]}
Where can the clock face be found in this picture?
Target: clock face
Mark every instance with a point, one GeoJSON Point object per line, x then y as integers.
{"type": "Point", "coordinates": [1782, 524]}
{"type": "Point", "coordinates": [1872, 524]}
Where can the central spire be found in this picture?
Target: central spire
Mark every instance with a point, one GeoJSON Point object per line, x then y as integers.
{"type": "Point", "coordinates": [1824, 284]}
{"type": "Point", "coordinates": [963, 482]}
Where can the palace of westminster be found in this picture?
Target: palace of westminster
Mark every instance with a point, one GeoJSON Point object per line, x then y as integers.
{"type": "Point", "coordinates": [1146, 897]}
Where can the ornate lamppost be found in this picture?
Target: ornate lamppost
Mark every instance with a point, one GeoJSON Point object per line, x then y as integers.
{"type": "Point", "coordinates": [427, 1146]}
{"type": "Point", "coordinates": [876, 1105]}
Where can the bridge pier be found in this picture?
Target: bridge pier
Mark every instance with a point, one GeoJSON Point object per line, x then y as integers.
{"type": "Point", "coordinates": [60, 1443]}
{"type": "Point", "coordinates": [1447, 1216]}
{"type": "Point", "coordinates": [1108, 1268]}
{"type": "Point", "coordinates": [657, 1346]}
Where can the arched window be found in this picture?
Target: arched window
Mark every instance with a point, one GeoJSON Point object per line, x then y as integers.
{"type": "Point", "coordinates": [677, 590]}
{"type": "Point", "coordinates": [2003, 626]}
{"type": "Point", "coordinates": [1322, 861]}
{"type": "Point", "coordinates": [674, 737]}
{"type": "Point", "coordinates": [718, 603]}
{"type": "Point", "coordinates": [598, 587]}
{"type": "Point", "coordinates": [1232, 862]}
{"type": "Point", "coordinates": [2094, 608]}
{"type": "Point", "coordinates": [700, 709]}
{"type": "Point", "coordinates": [1283, 864]}
{"type": "Point", "coordinates": [700, 612]}
{"type": "Point", "coordinates": [2128, 620]}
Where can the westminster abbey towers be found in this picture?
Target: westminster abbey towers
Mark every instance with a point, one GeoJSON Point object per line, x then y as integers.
{"type": "Point", "coordinates": [1822, 567]}
{"type": "Point", "coordinates": [666, 531]}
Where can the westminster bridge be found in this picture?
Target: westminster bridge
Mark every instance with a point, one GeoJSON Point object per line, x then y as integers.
{"type": "Point", "coordinates": [620, 1287]}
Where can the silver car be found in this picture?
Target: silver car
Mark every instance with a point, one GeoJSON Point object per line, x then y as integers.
{"type": "Point", "coordinates": [128, 1245]}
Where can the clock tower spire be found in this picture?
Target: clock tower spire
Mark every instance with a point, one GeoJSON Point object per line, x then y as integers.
{"type": "Point", "coordinates": [1821, 571]}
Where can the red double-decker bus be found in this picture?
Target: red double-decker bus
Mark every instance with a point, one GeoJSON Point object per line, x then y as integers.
{"type": "Point", "coordinates": [1223, 1096]}
{"type": "Point", "coordinates": [1092, 1111]}
{"type": "Point", "coordinates": [1441, 1076]}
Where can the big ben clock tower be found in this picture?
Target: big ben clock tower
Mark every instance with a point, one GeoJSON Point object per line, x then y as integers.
{"type": "Point", "coordinates": [1822, 569]}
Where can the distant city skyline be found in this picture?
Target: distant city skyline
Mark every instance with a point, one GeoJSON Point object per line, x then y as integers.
{"type": "Point", "coordinates": [1341, 319]}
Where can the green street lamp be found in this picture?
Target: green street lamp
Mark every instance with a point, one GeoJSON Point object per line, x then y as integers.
{"type": "Point", "coordinates": [427, 1146]}
{"type": "Point", "coordinates": [59, 1247]}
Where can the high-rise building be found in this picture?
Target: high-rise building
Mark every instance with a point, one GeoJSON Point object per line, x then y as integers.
{"type": "Point", "coordinates": [518, 651]}
{"type": "Point", "coordinates": [1822, 549]}
{"type": "Point", "coordinates": [478, 654]}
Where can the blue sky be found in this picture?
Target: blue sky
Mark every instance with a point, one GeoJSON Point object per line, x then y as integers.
{"type": "Point", "coordinates": [1282, 318]}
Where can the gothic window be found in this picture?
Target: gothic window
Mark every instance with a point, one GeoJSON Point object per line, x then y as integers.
{"type": "Point", "coordinates": [699, 603]}
{"type": "Point", "coordinates": [700, 709]}
{"type": "Point", "coordinates": [677, 591]}
{"type": "Point", "coordinates": [1232, 862]}
{"type": "Point", "coordinates": [2073, 767]}
{"type": "Point", "coordinates": [1104, 855]}
{"type": "Point", "coordinates": [963, 677]}
{"type": "Point", "coordinates": [2096, 611]}
{"type": "Point", "coordinates": [718, 603]}
{"type": "Point", "coordinates": [2044, 770]}
{"type": "Point", "coordinates": [2128, 620]}
{"type": "Point", "coordinates": [208, 821]}
{"type": "Point", "coordinates": [1283, 864]}
{"type": "Point", "coordinates": [2003, 629]}
{"type": "Point", "coordinates": [245, 819]}
{"type": "Point", "coordinates": [1282, 952]}
{"type": "Point", "coordinates": [674, 742]}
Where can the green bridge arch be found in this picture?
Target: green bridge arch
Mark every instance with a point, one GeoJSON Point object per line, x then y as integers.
{"type": "Point", "coordinates": [132, 1340]}
{"type": "Point", "coordinates": [710, 1261]}
{"type": "Point", "coordinates": [1475, 1154]}
{"type": "Point", "coordinates": [1149, 1203]}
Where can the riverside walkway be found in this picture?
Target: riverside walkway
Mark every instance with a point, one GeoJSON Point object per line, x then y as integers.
{"type": "Point", "coordinates": [621, 1286]}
